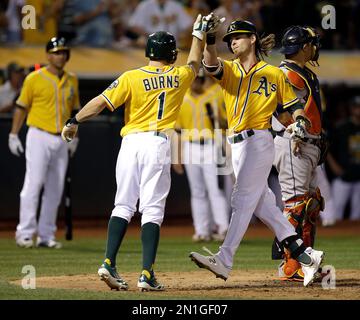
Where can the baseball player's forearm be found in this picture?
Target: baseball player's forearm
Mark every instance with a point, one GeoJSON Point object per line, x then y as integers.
{"type": "Point", "coordinates": [210, 55]}
{"type": "Point", "coordinates": [91, 109]}
{"type": "Point", "coordinates": [194, 57]}
{"type": "Point", "coordinates": [18, 120]}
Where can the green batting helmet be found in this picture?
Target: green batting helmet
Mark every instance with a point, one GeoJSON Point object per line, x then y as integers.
{"type": "Point", "coordinates": [161, 45]}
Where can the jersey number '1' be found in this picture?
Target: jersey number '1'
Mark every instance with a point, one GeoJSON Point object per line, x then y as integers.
{"type": "Point", "coordinates": [161, 99]}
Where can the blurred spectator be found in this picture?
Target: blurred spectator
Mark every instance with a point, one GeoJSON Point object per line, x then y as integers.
{"type": "Point", "coordinates": [120, 11]}
{"type": "Point", "coordinates": [235, 10]}
{"type": "Point", "coordinates": [344, 161]}
{"type": "Point", "coordinates": [328, 214]}
{"type": "Point", "coordinates": [13, 15]}
{"type": "Point", "coordinates": [64, 12]}
{"type": "Point", "coordinates": [45, 23]}
{"type": "Point", "coordinates": [159, 15]}
{"type": "Point", "coordinates": [3, 21]}
{"type": "Point", "coordinates": [193, 8]}
{"type": "Point", "coordinates": [344, 36]}
{"type": "Point", "coordinates": [93, 23]}
{"type": "Point", "coordinates": [10, 90]}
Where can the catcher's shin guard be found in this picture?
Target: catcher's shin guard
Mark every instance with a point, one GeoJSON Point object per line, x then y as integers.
{"type": "Point", "coordinates": [314, 204]}
{"type": "Point", "coordinates": [294, 210]}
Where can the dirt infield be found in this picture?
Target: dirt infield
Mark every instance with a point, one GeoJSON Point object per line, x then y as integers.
{"type": "Point", "coordinates": [242, 284]}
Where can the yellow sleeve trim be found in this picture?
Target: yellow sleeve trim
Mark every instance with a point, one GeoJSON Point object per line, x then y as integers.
{"type": "Point", "coordinates": [290, 103]}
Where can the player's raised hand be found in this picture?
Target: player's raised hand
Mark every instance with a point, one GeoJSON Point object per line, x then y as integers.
{"type": "Point", "coordinates": [69, 131]}
{"type": "Point", "coordinates": [213, 23]}
{"type": "Point", "coordinates": [15, 145]}
{"type": "Point", "coordinates": [199, 27]}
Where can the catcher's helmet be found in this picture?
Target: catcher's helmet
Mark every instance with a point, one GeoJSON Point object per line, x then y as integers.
{"type": "Point", "coordinates": [296, 36]}
{"type": "Point", "coordinates": [161, 45]}
{"type": "Point", "coordinates": [57, 44]}
{"type": "Point", "coordinates": [238, 26]}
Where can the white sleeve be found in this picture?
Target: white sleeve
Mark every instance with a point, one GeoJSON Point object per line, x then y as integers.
{"type": "Point", "coordinates": [138, 18]}
{"type": "Point", "coordinates": [184, 20]}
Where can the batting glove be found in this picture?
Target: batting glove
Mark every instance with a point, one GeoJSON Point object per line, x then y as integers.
{"type": "Point", "coordinates": [70, 129]}
{"type": "Point", "coordinates": [213, 26]}
{"type": "Point", "coordinates": [15, 145]}
{"type": "Point", "coordinates": [72, 146]}
{"type": "Point", "coordinates": [298, 128]}
{"type": "Point", "coordinates": [200, 27]}
{"type": "Point", "coordinates": [213, 23]}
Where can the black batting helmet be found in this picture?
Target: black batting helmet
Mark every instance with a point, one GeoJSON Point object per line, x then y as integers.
{"type": "Point", "coordinates": [296, 36]}
{"type": "Point", "coordinates": [161, 45]}
{"type": "Point", "coordinates": [56, 44]}
{"type": "Point", "coordinates": [239, 26]}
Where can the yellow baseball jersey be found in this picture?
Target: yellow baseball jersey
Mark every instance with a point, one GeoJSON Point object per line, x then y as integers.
{"type": "Point", "coordinates": [196, 112]}
{"type": "Point", "coordinates": [152, 96]}
{"type": "Point", "coordinates": [48, 99]}
{"type": "Point", "coordinates": [252, 97]}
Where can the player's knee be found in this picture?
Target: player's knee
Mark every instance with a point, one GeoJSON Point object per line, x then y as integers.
{"type": "Point", "coordinates": [152, 218]}
{"type": "Point", "coordinates": [31, 189]}
{"type": "Point", "coordinates": [122, 212]}
{"type": "Point", "coordinates": [294, 210]}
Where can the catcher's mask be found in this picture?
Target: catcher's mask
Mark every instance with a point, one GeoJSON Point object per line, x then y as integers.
{"type": "Point", "coordinates": [161, 45]}
{"type": "Point", "coordinates": [240, 26]}
{"type": "Point", "coordinates": [58, 44]}
{"type": "Point", "coordinates": [296, 36]}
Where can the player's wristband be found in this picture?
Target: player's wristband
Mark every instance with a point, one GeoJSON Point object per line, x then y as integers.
{"type": "Point", "coordinates": [210, 38]}
{"type": "Point", "coordinates": [72, 121]}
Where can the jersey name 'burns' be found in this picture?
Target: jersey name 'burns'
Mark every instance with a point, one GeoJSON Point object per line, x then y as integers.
{"type": "Point", "coordinates": [161, 82]}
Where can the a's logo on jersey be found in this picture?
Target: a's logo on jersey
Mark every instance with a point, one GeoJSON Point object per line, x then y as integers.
{"type": "Point", "coordinates": [113, 85]}
{"type": "Point", "coordinates": [265, 87]}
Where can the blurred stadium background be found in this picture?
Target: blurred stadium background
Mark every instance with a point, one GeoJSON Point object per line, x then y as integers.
{"type": "Point", "coordinates": [103, 56]}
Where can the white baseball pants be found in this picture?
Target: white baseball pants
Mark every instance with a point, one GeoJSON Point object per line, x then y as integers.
{"type": "Point", "coordinates": [325, 188]}
{"type": "Point", "coordinates": [343, 191]}
{"type": "Point", "coordinates": [208, 203]}
{"type": "Point", "coordinates": [142, 172]}
{"type": "Point", "coordinates": [46, 162]}
{"type": "Point", "coordinates": [252, 159]}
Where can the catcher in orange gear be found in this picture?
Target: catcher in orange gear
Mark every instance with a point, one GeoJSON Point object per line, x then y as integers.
{"type": "Point", "coordinates": [297, 177]}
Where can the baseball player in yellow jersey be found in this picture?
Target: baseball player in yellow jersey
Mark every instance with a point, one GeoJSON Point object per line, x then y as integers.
{"type": "Point", "coordinates": [48, 97]}
{"type": "Point", "coordinates": [203, 105]}
{"type": "Point", "coordinates": [152, 96]}
{"type": "Point", "coordinates": [252, 90]}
